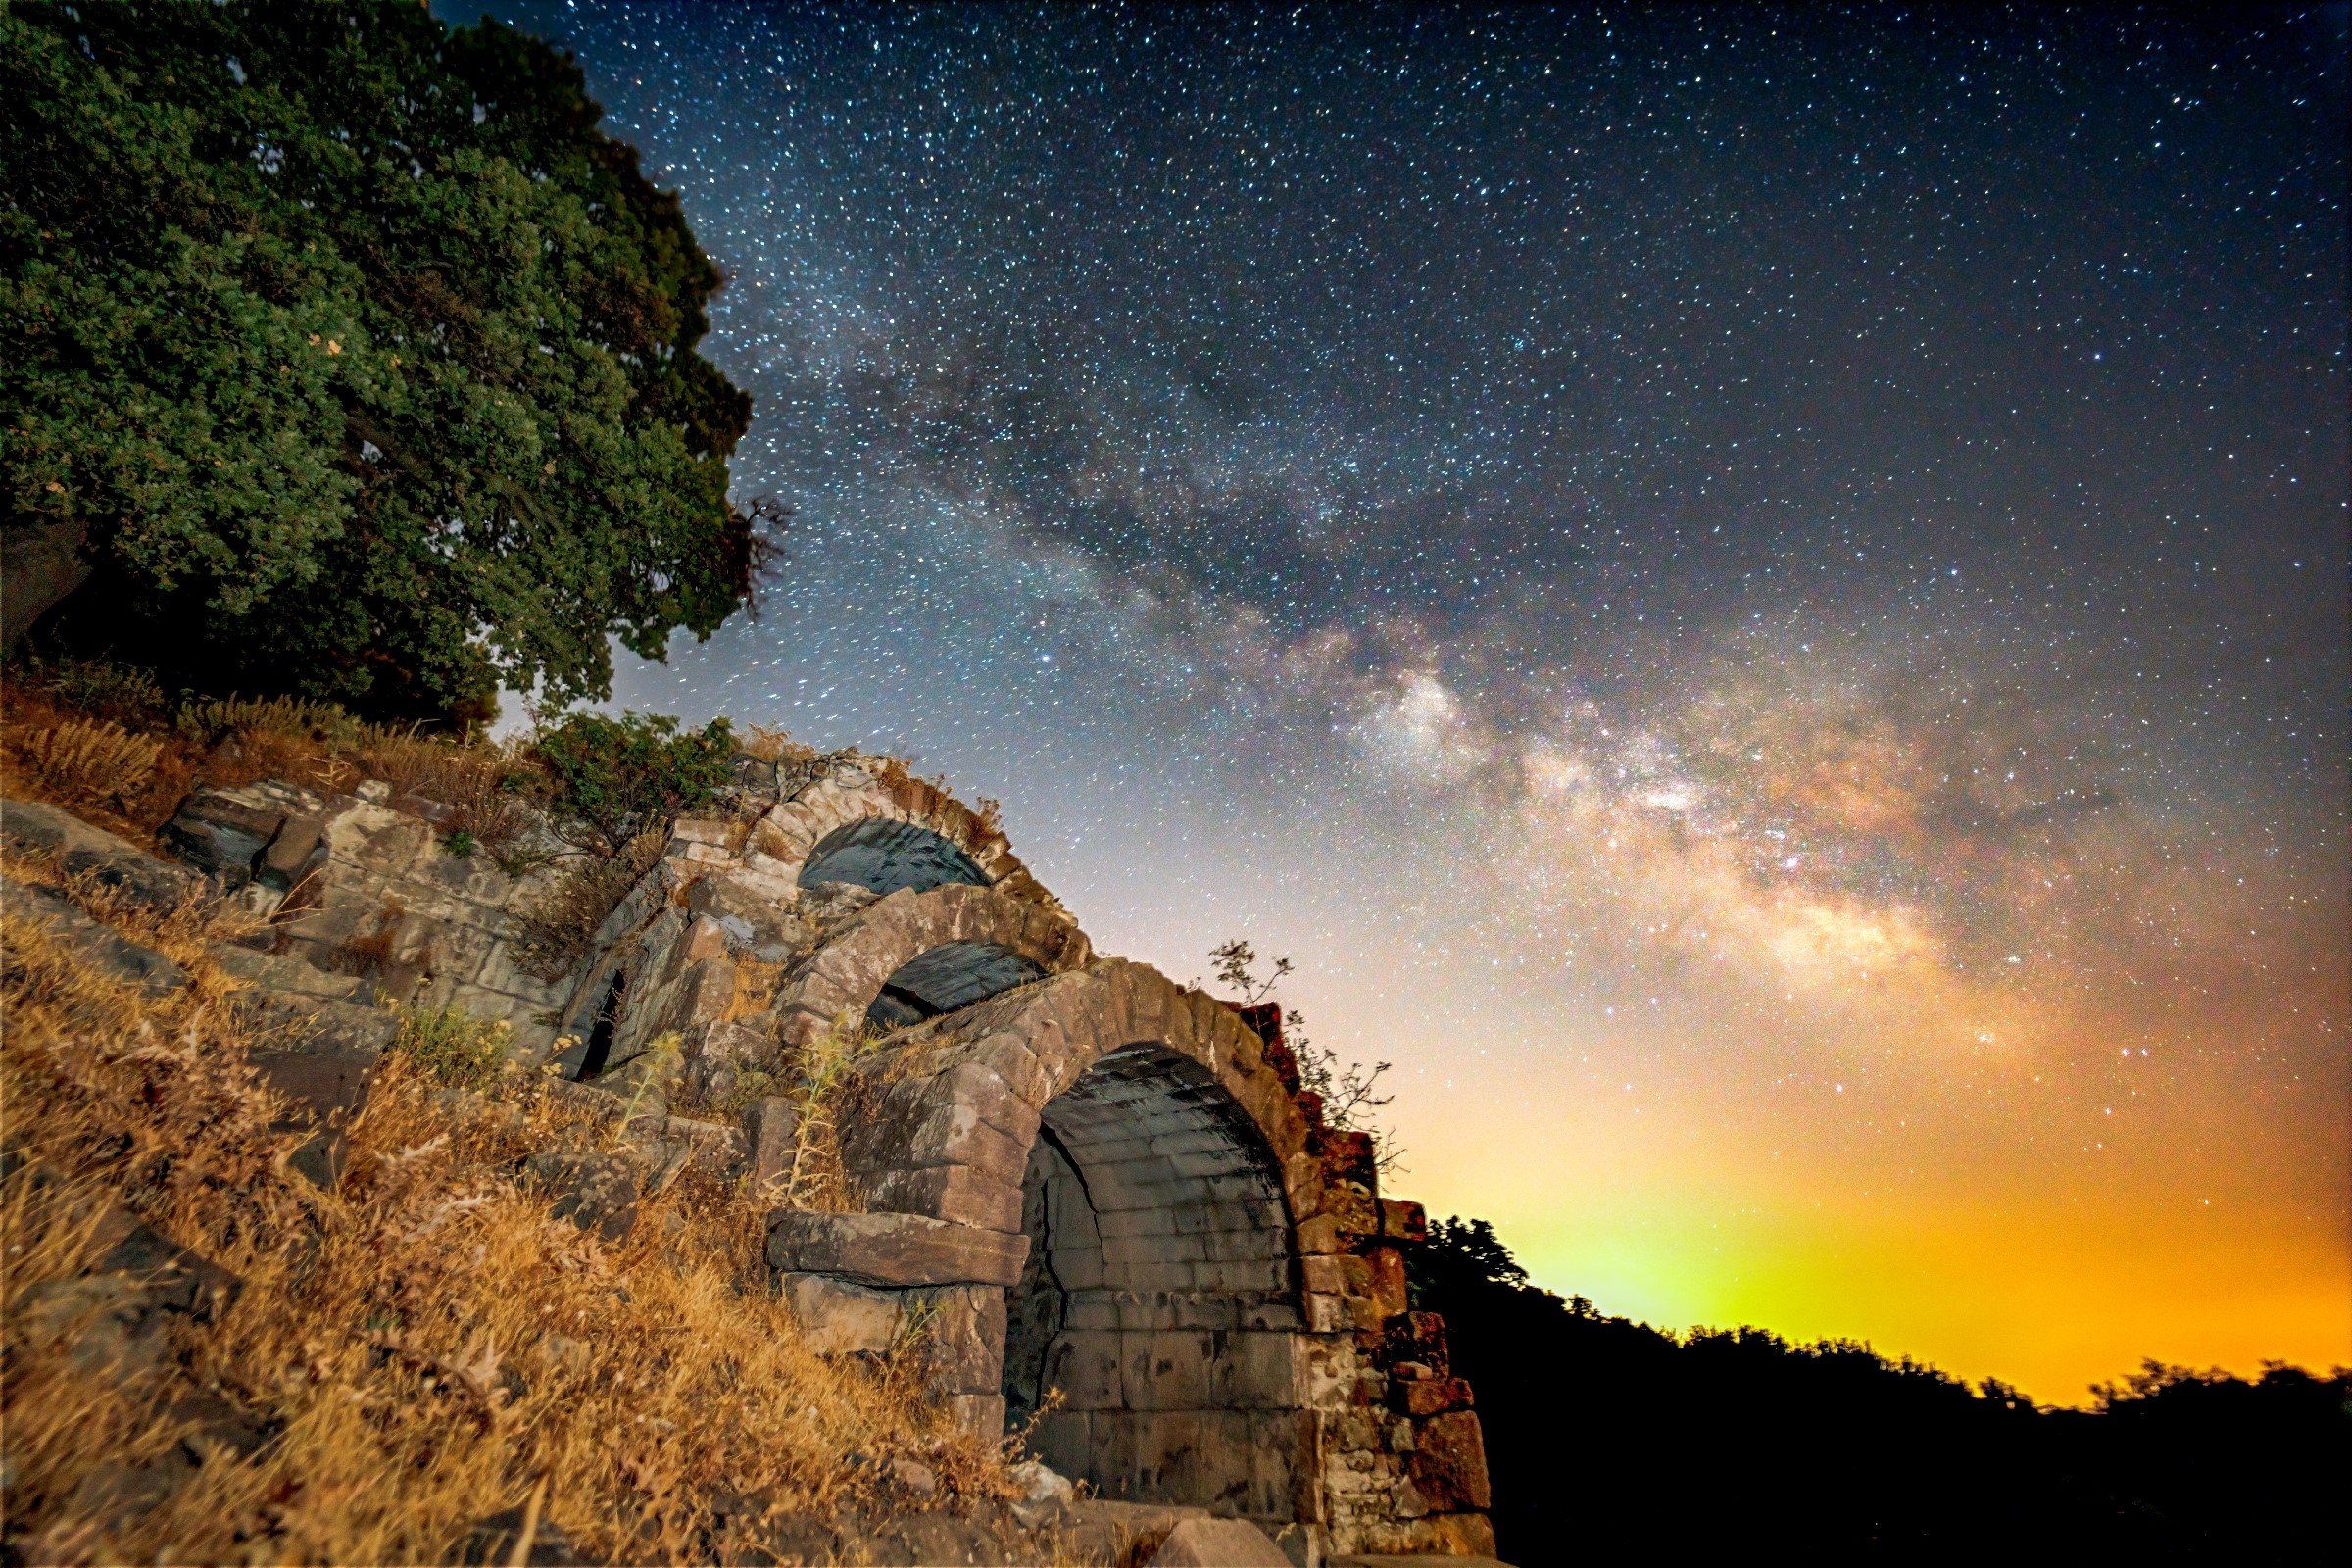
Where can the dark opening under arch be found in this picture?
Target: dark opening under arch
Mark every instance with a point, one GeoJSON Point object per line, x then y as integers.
{"type": "Point", "coordinates": [1159, 1293]}
{"type": "Point", "coordinates": [952, 975]}
{"type": "Point", "coordinates": [886, 854]}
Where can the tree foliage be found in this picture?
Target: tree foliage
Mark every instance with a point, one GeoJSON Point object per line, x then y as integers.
{"type": "Point", "coordinates": [357, 358]}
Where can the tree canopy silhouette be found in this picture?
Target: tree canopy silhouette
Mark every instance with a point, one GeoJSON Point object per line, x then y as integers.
{"type": "Point", "coordinates": [1618, 1438]}
{"type": "Point", "coordinates": [345, 353]}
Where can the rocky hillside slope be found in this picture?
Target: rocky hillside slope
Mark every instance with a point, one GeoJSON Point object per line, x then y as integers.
{"type": "Point", "coordinates": [381, 1184]}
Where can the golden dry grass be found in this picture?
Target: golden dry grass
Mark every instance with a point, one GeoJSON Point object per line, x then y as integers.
{"type": "Point", "coordinates": [93, 760]}
{"type": "Point", "coordinates": [61, 739]}
{"type": "Point", "coordinates": [426, 1345]}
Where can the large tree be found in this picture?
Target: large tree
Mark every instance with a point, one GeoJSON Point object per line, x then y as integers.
{"type": "Point", "coordinates": [344, 353]}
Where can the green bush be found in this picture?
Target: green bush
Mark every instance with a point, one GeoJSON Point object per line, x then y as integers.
{"type": "Point", "coordinates": [614, 779]}
{"type": "Point", "coordinates": [453, 1047]}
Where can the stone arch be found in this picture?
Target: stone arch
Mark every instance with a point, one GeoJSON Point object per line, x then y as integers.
{"type": "Point", "coordinates": [1114, 1151]}
{"type": "Point", "coordinates": [1104, 1182]}
{"type": "Point", "coordinates": [791, 833]}
{"type": "Point", "coordinates": [849, 972]}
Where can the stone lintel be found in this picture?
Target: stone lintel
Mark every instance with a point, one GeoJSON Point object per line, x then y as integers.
{"type": "Point", "coordinates": [893, 1250]}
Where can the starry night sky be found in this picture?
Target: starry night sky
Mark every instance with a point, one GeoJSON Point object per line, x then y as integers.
{"type": "Point", "coordinates": [1756, 598]}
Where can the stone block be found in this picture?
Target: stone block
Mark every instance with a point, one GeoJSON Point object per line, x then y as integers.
{"type": "Point", "coordinates": [1352, 1207]}
{"type": "Point", "coordinates": [1255, 1371]}
{"type": "Point", "coordinates": [459, 951]}
{"type": "Point", "coordinates": [964, 1350]}
{"type": "Point", "coordinates": [894, 1248]}
{"type": "Point", "coordinates": [375, 838]}
{"type": "Point", "coordinates": [116, 862]}
{"type": "Point", "coordinates": [173, 1277]}
{"type": "Point", "coordinates": [326, 1085]}
{"type": "Point", "coordinates": [706, 938]}
{"type": "Point", "coordinates": [1085, 1362]}
{"type": "Point", "coordinates": [1403, 1220]}
{"type": "Point", "coordinates": [1217, 1544]}
{"type": "Point", "coordinates": [839, 1317]}
{"type": "Point", "coordinates": [954, 1193]}
{"type": "Point", "coordinates": [1448, 1463]}
{"type": "Point", "coordinates": [980, 1414]}
{"type": "Point", "coordinates": [1428, 1397]}
{"type": "Point", "coordinates": [1318, 1233]}
{"type": "Point", "coordinates": [1340, 1275]}
{"type": "Point", "coordinates": [223, 832]}
{"type": "Point", "coordinates": [770, 1127]}
{"type": "Point", "coordinates": [500, 972]}
{"type": "Point", "coordinates": [595, 1192]}
{"type": "Point", "coordinates": [297, 849]}
{"type": "Point", "coordinates": [321, 1159]}
{"type": "Point", "coordinates": [1388, 1280]}
{"type": "Point", "coordinates": [1326, 1314]}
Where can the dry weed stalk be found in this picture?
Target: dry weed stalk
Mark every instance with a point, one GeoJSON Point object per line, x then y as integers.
{"type": "Point", "coordinates": [85, 760]}
{"type": "Point", "coordinates": [828, 1086]}
{"type": "Point", "coordinates": [425, 1345]}
{"type": "Point", "coordinates": [551, 934]}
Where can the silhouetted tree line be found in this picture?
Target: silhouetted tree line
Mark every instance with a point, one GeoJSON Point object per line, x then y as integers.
{"type": "Point", "coordinates": [1607, 1435]}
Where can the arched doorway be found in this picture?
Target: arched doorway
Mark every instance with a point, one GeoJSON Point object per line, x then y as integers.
{"type": "Point", "coordinates": [1159, 1295]}
{"type": "Point", "coordinates": [1101, 1183]}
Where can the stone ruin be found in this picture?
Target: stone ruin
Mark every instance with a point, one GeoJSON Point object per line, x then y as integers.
{"type": "Point", "coordinates": [1101, 1197]}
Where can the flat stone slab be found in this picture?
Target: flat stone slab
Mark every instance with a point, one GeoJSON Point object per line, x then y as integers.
{"type": "Point", "coordinates": [115, 860]}
{"type": "Point", "coordinates": [893, 1250]}
{"type": "Point", "coordinates": [304, 1024]}
{"type": "Point", "coordinates": [99, 947]}
{"type": "Point", "coordinates": [271, 971]}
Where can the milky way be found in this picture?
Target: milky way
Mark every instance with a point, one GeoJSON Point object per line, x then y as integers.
{"type": "Point", "coordinates": [1756, 598]}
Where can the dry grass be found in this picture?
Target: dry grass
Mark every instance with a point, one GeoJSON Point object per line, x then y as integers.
{"type": "Point", "coordinates": [426, 1347]}
{"type": "Point", "coordinates": [551, 934]}
{"type": "Point", "coordinates": [63, 739]}
{"type": "Point", "coordinates": [484, 784]}
{"type": "Point", "coordinates": [86, 760]}
{"type": "Point", "coordinates": [829, 1090]}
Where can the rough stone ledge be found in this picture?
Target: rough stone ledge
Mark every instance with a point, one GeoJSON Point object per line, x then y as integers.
{"type": "Point", "coordinates": [116, 862]}
{"type": "Point", "coordinates": [100, 947]}
{"type": "Point", "coordinates": [893, 1250]}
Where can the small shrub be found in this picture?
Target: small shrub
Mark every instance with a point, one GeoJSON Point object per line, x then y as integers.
{"type": "Point", "coordinates": [462, 843]}
{"type": "Point", "coordinates": [552, 932]}
{"type": "Point", "coordinates": [86, 759]}
{"type": "Point", "coordinates": [612, 779]}
{"type": "Point", "coordinates": [453, 1047]}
